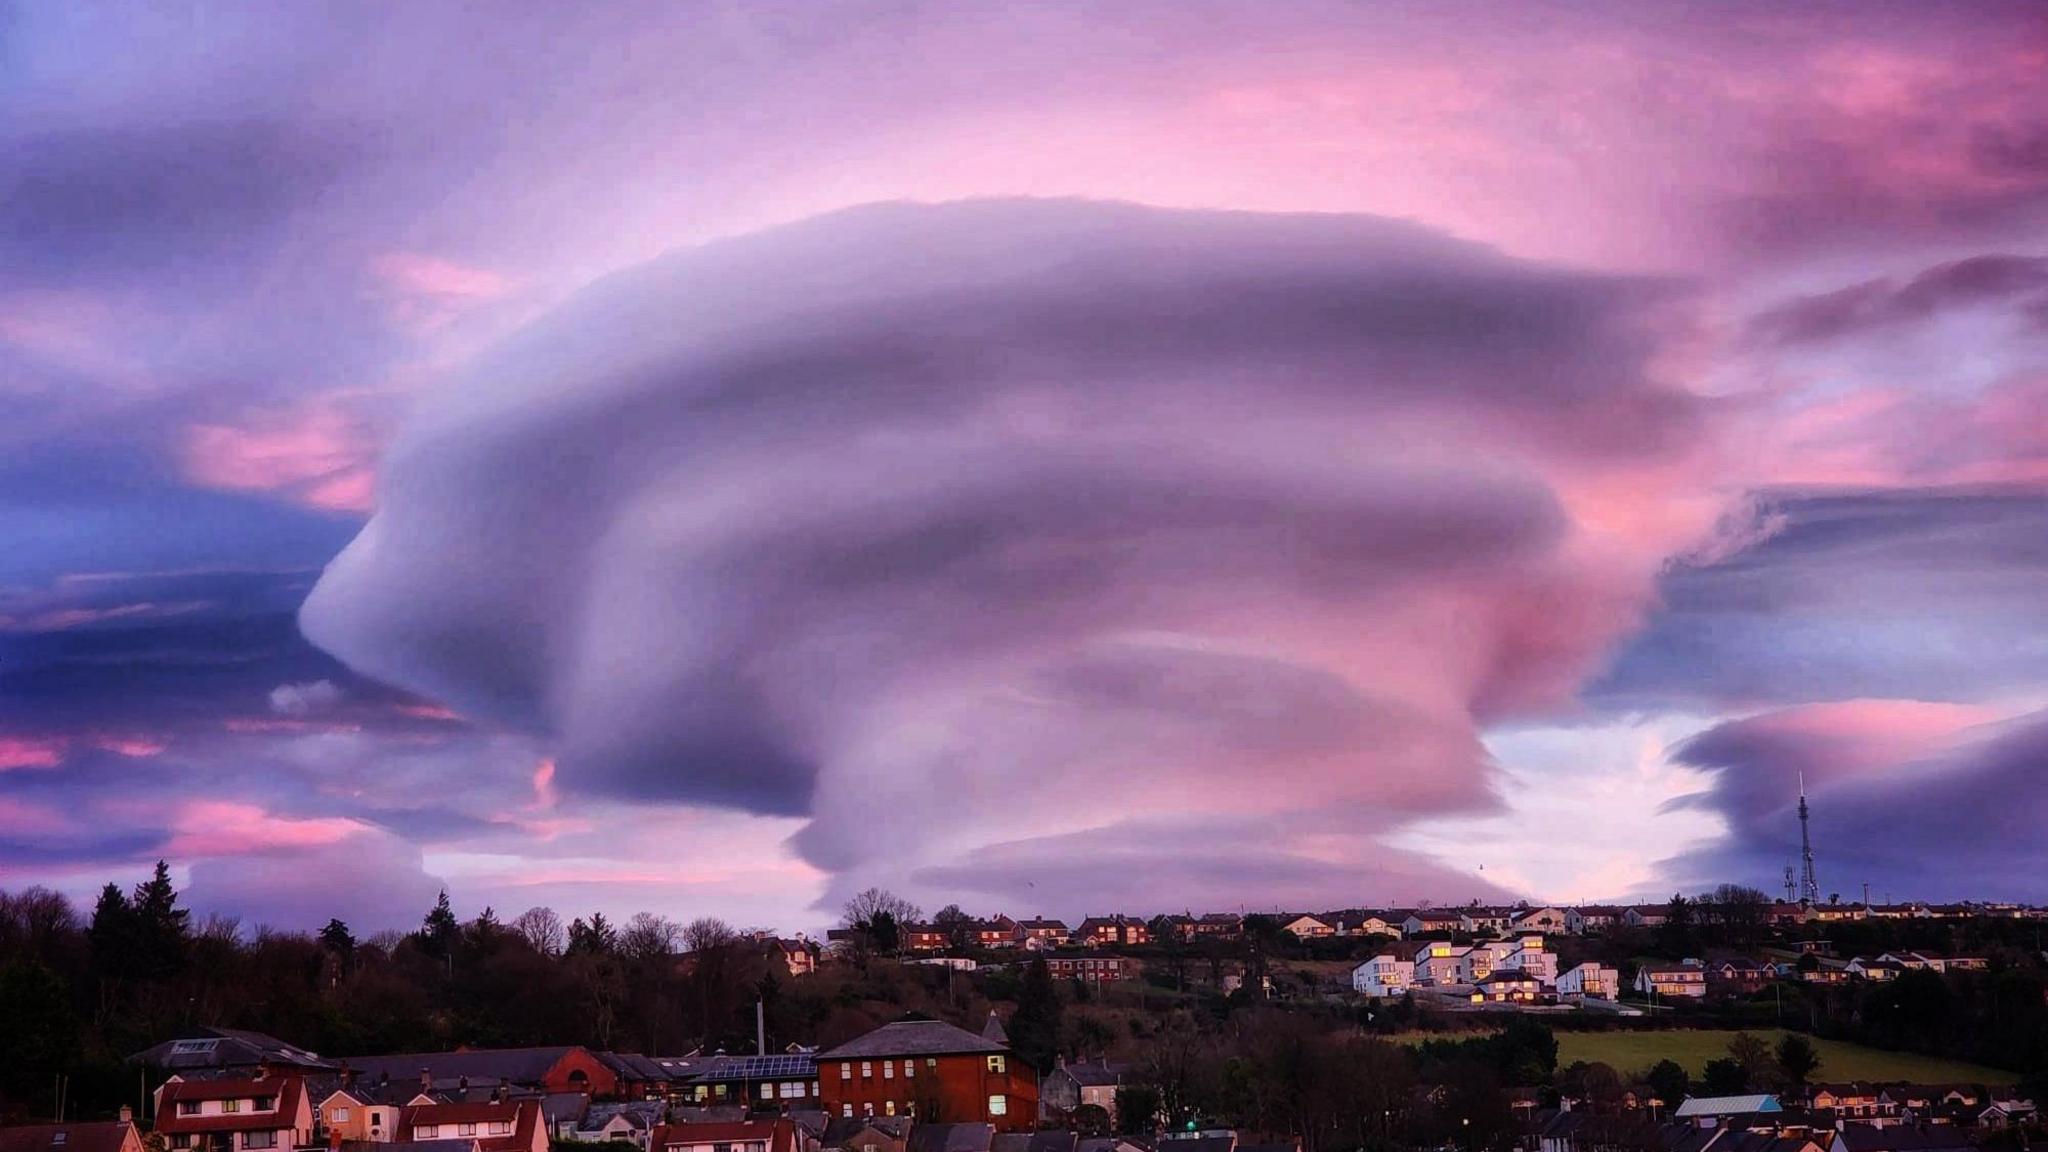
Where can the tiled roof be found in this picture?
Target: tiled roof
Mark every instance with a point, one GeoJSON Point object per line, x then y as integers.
{"type": "Point", "coordinates": [780, 1135]}
{"type": "Point", "coordinates": [952, 1138]}
{"type": "Point", "coordinates": [512, 1065]}
{"type": "Point", "coordinates": [108, 1136]}
{"type": "Point", "coordinates": [287, 1089]}
{"type": "Point", "coordinates": [914, 1038]}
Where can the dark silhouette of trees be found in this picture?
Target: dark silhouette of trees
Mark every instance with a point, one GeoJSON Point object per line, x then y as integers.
{"type": "Point", "coordinates": [1797, 1059]}
{"type": "Point", "coordinates": [1035, 1027]}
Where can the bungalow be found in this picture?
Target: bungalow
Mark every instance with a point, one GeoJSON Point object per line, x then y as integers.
{"type": "Point", "coordinates": [1591, 918]}
{"type": "Point", "coordinates": [1645, 915]}
{"type": "Point", "coordinates": [1391, 973]}
{"type": "Point", "coordinates": [1367, 924]}
{"type": "Point", "coordinates": [1832, 912]}
{"type": "Point", "coordinates": [1219, 925]}
{"type": "Point", "coordinates": [494, 1126]}
{"type": "Point", "coordinates": [1546, 920]}
{"type": "Point", "coordinates": [95, 1136]}
{"type": "Point", "coordinates": [1506, 985]}
{"type": "Point", "coordinates": [1429, 922]}
{"type": "Point", "coordinates": [1590, 981]}
{"type": "Point", "coordinates": [1307, 927]}
{"type": "Point", "coordinates": [1494, 920]}
{"type": "Point", "coordinates": [1737, 972]}
{"type": "Point", "coordinates": [1668, 980]}
{"type": "Point", "coordinates": [1784, 913]}
{"type": "Point", "coordinates": [263, 1112]}
{"type": "Point", "coordinates": [1878, 970]}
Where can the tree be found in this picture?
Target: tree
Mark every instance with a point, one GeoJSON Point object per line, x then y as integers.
{"type": "Point", "coordinates": [1753, 1056]}
{"type": "Point", "coordinates": [1137, 1110]}
{"type": "Point", "coordinates": [1725, 1077]}
{"type": "Point", "coordinates": [876, 918]}
{"type": "Point", "coordinates": [440, 929]}
{"type": "Point", "coordinates": [112, 937]}
{"type": "Point", "coordinates": [1669, 1080]}
{"type": "Point", "coordinates": [1675, 935]}
{"type": "Point", "coordinates": [957, 925]}
{"type": "Point", "coordinates": [1797, 1058]}
{"type": "Point", "coordinates": [42, 1032]}
{"type": "Point", "coordinates": [160, 926]}
{"type": "Point", "coordinates": [337, 939]}
{"type": "Point", "coordinates": [650, 937]}
{"type": "Point", "coordinates": [1035, 1027]}
{"type": "Point", "coordinates": [594, 937]}
{"type": "Point", "coordinates": [542, 930]}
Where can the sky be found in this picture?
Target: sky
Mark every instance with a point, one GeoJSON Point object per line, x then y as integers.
{"type": "Point", "coordinates": [1060, 459]}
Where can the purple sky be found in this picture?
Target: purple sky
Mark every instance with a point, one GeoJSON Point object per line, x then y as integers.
{"type": "Point", "coordinates": [712, 459]}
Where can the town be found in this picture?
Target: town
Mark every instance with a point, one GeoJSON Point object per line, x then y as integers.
{"type": "Point", "coordinates": [1727, 1020]}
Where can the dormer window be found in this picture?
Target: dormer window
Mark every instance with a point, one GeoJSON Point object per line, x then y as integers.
{"type": "Point", "coordinates": [231, 1105]}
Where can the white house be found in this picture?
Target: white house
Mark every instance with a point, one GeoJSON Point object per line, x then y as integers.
{"type": "Point", "coordinates": [1386, 974]}
{"type": "Point", "coordinates": [1430, 920]}
{"type": "Point", "coordinates": [1546, 920]}
{"type": "Point", "coordinates": [1438, 962]}
{"type": "Point", "coordinates": [1591, 918]}
{"type": "Point", "coordinates": [1308, 927]}
{"type": "Point", "coordinates": [1531, 957]}
{"type": "Point", "coordinates": [1672, 980]}
{"type": "Point", "coordinates": [1590, 981]}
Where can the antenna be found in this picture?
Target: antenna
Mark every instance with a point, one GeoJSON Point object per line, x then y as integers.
{"type": "Point", "coordinates": [1809, 885]}
{"type": "Point", "coordinates": [1791, 885]}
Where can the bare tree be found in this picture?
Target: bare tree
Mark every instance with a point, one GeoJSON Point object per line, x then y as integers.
{"type": "Point", "coordinates": [542, 930]}
{"type": "Point", "coordinates": [877, 918]}
{"type": "Point", "coordinates": [650, 937]}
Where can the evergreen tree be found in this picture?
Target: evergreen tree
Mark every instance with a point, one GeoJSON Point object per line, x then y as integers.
{"type": "Point", "coordinates": [1035, 1027]}
{"type": "Point", "coordinates": [1797, 1058]}
{"type": "Point", "coordinates": [595, 937]}
{"type": "Point", "coordinates": [439, 930]}
{"type": "Point", "coordinates": [112, 935]}
{"type": "Point", "coordinates": [161, 932]}
{"type": "Point", "coordinates": [336, 938]}
{"type": "Point", "coordinates": [1670, 1081]}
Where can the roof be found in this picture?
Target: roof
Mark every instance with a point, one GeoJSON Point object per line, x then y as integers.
{"type": "Point", "coordinates": [993, 1030]}
{"type": "Point", "coordinates": [914, 1038]}
{"type": "Point", "coordinates": [1728, 1105]}
{"type": "Point", "coordinates": [1902, 1138]}
{"type": "Point", "coordinates": [512, 1065]}
{"type": "Point", "coordinates": [1100, 1074]}
{"type": "Point", "coordinates": [226, 1048]}
{"type": "Point", "coordinates": [952, 1138]}
{"type": "Point", "coordinates": [1033, 1142]}
{"type": "Point", "coordinates": [632, 1065]}
{"type": "Point", "coordinates": [781, 1066]}
{"type": "Point", "coordinates": [780, 1135]}
{"type": "Point", "coordinates": [522, 1113]}
{"type": "Point", "coordinates": [108, 1136]}
{"type": "Point", "coordinates": [840, 1129]}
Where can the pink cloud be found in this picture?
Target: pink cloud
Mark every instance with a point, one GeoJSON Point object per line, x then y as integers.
{"type": "Point", "coordinates": [317, 453]}
{"type": "Point", "coordinates": [18, 752]}
{"type": "Point", "coordinates": [426, 293]}
{"type": "Point", "coordinates": [204, 828]}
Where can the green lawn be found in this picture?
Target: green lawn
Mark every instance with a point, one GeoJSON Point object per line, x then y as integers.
{"type": "Point", "coordinates": [1634, 1051]}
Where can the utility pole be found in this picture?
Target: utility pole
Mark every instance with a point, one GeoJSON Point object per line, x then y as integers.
{"type": "Point", "coordinates": [1811, 894]}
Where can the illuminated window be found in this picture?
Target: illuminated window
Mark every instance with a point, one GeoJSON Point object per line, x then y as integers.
{"type": "Point", "coordinates": [501, 1127]}
{"type": "Point", "coordinates": [846, 1070]}
{"type": "Point", "coordinates": [846, 1110]}
{"type": "Point", "coordinates": [889, 1107]}
{"type": "Point", "coordinates": [999, 1105]}
{"type": "Point", "coordinates": [231, 1105]}
{"type": "Point", "coordinates": [931, 1061]}
{"type": "Point", "coordinates": [995, 1063]}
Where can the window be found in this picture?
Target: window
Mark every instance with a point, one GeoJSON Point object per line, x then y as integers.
{"type": "Point", "coordinates": [846, 1110]}
{"type": "Point", "coordinates": [501, 1127]}
{"type": "Point", "coordinates": [265, 1104]}
{"type": "Point", "coordinates": [846, 1070]}
{"type": "Point", "coordinates": [193, 1047]}
{"type": "Point", "coordinates": [999, 1105]}
{"type": "Point", "coordinates": [909, 1069]}
{"type": "Point", "coordinates": [465, 1129]}
{"type": "Point", "coordinates": [868, 1110]}
{"type": "Point", "coordinates": [888, 1069]}
{"type": "Point", "coordinates": [931, 1061]}
{"type": "Point", "coordinates": [995, 1064]}
{"type": "Point", "coordinates": [59, 1137]}
{"type": "Point", "coordinates": [188, 1107]}
{"type": "Point", "coordinates": [231, 1105]}
{"type": "Point", "coordinates": [889, 1107]}
{"type": "Point", "coordinates": [376, 1119]}
{"type": "Point", "coordinates": [867, 1069]}
{"type": "Point", "coordinates": [259, 1139]}
{"type": "Point", "coordinates": [426, 1131]}
{"type": "Point", "coordinates": [340, 1116]}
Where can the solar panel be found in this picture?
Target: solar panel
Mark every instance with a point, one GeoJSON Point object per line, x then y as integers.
{"type": "Point", "coordinates": [782, 1067]}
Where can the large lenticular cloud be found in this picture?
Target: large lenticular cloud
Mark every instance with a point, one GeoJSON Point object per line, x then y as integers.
{"type": "Point", "coordinates": [1005, 538]}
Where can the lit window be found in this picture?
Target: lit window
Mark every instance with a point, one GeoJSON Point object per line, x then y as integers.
{"type": "Point", "coordinates": [846, 1110]}
{"type": "Point", "coordinates": [426, 1131]}
{"type": "Point", "coordinates": [846, 1070]}
{"type": "Point", "coordinates": [931, 1061]}
{"type": "Point", "coordinates": [999, 1105]}
{"type": "Point", "coordinates": [231, 1105]}
{"type": "Point", "coordinates": [995, 1064]}
{"type": "Point", "coordinates": [889, 1106]}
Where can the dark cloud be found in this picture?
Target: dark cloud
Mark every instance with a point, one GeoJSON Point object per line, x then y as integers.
{"type": "Point", "coordinates": [2015, 281]}
{"type": "Point", "coordinates": [1933, 594]}
{"type": "Point", "coordinates": [1945, 810]}
{"type": "Point", "coordinates": [915, 514]}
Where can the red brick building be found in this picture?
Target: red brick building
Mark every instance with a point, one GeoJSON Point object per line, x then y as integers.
{"type": "Point", "coordinates": [1095, 968]}
{"type": "Point", "coordinates": [930, 1070]}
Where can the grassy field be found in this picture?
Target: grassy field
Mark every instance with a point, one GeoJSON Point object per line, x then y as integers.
{"type": "Point", "coordinates": [1633, 1051]}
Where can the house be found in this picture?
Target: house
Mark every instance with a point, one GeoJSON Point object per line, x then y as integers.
{"type": "Point", "coordinates": [1391, 973]}
{"type": "Point", "coordinates": [1000, 932]}
{"type": "Point", "coordinates": [1092, 968]}
{"type": "Point", "coordinates": [1786, 913]}
{"type": "Point", "coordinates": [1528, 955]}
{"type": "Point", "coordinates": [1672, 980]}
{"type": "Point", "coordinates": [1878, 970]}
{"type": "Point", "coordinates": [264, 1111]}
{"type": "Point", "coordinates": [924, 938]}
{"type": "Point", "coordinates": [1039, 932]}
{"type": "Point", "coordinates": [93, 1136]}
{"type": "Point", "coordinates": [1182, 927]}
{"type": "Point", "coordinates": [1307, 927]}
{"type": "Point", "coordinates": [231, 1048]}
{"type": "Point", "coordinates": [1832, 912]}
{"type": "Point", "coordinates": [1439, 962]}
{"type": "Point", "coordinates": [1545, 920]}
{"type": "Point", "coordinates": [783, 1080]}
{"type": "Point", "coordinates": [1219, 925]}
{"type": "Point", "coordinates": [1851, 1101]}
{"type": "Point", "coordinates": [1111, 931]}
{"type": "Point", "coordinates": [933, 1071]}
{"type": "Point", "coordinates": [565, 1068]}
{"type": "Point", "coordinates": [505, 1125]}
{"type": "Point", "coordinates": [864, 1134]}
{"type": "Point", "coordinates": [1435, 922]}
{"type": "Point", "coordinates": [639, 1077]}
{"type": "Point", "coordinates": [1591, 918]}
{"type": "Point", "coordinates": [799, 957]}
{"type": "Point", "coordinates": [1483, 919]}
{"type": "Point", "coordinates": [1589, 981]}
{"type": "Point", "coordinates": [630, 1122]}
{"type": "Point", "coordinates": [778, 1135]}
{"type": "Point", "coordinates": [1069, 1087]}
{"type": "Point", "coordinates": [1367, 924]}
{"type": "Point", "coordinates": [1507, 985]}
{"type": "Point", "coordinates": [359, 1112]}
{"type": "Point", "coordinates": [1645, 915]}
{"type": "Point", "coordinates": [1735, 972]}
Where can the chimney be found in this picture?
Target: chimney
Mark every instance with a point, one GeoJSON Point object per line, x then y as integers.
{"type": "Point", "coordinates": [348, 1075]}
{"type": "Point", "coordinates": [426, 1080]}
{"type": "Point", "coordinates": [127, 1114]}
{"type": "Point", "coordinates": [263, 1069]}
